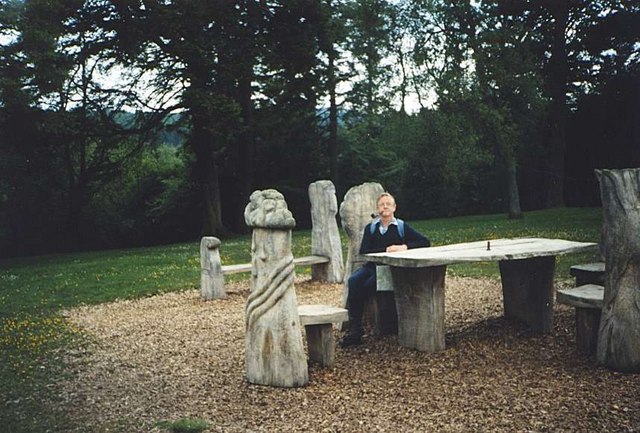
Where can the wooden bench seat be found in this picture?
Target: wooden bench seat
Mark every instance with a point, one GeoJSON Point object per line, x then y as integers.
{"type": "Point", "coordinates": [318, 323]}
{"type": "Point", "coordinates": [300, 261]}
{"type": "Point", "coordinates": [588, 273]}
{"type": "Point", "coordinates": [588, 300]}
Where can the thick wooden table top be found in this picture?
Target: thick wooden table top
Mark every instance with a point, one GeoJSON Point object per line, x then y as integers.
{"type": "Point", "coordinates": [480, 251]}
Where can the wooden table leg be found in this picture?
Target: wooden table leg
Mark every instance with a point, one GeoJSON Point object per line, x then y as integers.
{"type": "Point", "coordinates": [527, 288]}
{"type": "Point", "coordinates": [419, 294]}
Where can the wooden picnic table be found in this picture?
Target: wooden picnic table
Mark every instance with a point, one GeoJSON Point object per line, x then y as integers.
{"type": "Point", "coordinates": [526, 265]}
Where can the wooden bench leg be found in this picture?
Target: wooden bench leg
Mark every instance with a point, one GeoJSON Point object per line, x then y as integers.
{"type": "Point", "coordinates": [587, 328]}
{"type": "Point", "coordinates": [321, 343]}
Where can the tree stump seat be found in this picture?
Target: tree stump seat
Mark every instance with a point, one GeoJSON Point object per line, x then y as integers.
{"type": "Point", "coordinates": [588, 273]}
{"type": "Point", "coordinates": [588, 300]}
{"type": "Point", "coordinates": [318, 323]}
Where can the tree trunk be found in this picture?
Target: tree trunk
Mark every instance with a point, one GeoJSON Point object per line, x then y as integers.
{"type": "Point", "coordinates": [73, 221]}
{"type": "Point", "coordinates": [515, 212]}
{"type": "Point", "coordinates": [505, 149]}
{"type": "Point", "coordinates": [619, 335]}
{"type": "Point", "coordinates": [333, 118]}
{"type": "Point", "coordinates": [244, 161]}
{"type": "Point", "coordinates": [246, 141]}
{"type": "Point", "coordinates": [207, 178]}
{"type": "Point", "coordinates": [559, 71]}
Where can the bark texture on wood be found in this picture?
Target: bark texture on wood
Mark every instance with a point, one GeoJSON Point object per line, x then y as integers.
{"type": "Point", "coordinates": [325, 237]}
{"type": "Point", "coordinates": [619, 335]}
{"type": "Point", "coordinates": [274, 350]}
{"type": "Point", "coordinates": [211, 278]}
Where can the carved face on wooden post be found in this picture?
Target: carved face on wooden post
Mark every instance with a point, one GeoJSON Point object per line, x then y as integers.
{"type": "Point", "coordinates": [272, 222]}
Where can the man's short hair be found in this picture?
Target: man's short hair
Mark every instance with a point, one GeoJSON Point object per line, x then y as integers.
{"type": "Point", "coordinates": [386, 194]}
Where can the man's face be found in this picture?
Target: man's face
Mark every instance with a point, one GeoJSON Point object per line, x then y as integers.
{"type": "Point", "coordinates": [386, 206]}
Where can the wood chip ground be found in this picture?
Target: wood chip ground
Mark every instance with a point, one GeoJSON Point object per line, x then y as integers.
{"type": "Point", "coordinates": [174, 356]}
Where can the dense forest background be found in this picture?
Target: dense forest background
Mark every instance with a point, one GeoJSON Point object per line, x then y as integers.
{"type": "Point", "coordinates": [143, 122]}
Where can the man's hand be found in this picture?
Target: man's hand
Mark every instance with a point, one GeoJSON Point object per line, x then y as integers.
{"type": "Point", "coordinates": [394, 248]}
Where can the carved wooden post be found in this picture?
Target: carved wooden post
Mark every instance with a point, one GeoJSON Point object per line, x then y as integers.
{"type": "Point", "coordinates": [619, 335]}
{"type": "Point", "coordinates": [211, 278]}
{"type": "Point", "coordinates": [325, 237]}
{"type": "Point", "coordinates": [274, 351]}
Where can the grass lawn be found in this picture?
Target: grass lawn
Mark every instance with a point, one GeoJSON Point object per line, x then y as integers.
{"type": "Point", "coordinates": [34, 290]}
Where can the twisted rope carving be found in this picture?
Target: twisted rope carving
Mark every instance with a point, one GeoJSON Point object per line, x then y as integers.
{"type": "Point", "coordinates": [263, 298]}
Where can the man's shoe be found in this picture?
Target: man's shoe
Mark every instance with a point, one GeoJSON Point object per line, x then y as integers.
{"type": "Point", "coordinates": [350, 339]}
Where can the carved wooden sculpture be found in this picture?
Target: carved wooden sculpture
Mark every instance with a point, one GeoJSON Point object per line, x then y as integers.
{"type": "Point", "coordinates": [211, 279]}
{"type": "Point", "coordinates": [274, 351]}
{"type": "Point", "coordinates": [619, 336]}
{"type": "Point", "coordinates": [325, 237]}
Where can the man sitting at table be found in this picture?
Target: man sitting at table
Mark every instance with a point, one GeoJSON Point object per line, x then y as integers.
{"type": "Point", "coordinates": [384, 233]}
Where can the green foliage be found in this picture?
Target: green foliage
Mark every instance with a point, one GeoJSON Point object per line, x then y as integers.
{"type": "Point", "coordinates": [449, 167]}
{"type": "Point", "coordinates": [250, 79]}
{"type": "Point", "coordinates": [150, 203]}
{"type": "Point", "coordinates": [288, 136]}
{"type": "Point", "coordinates": [377, 151]}
{"type": "Point", "coordinates": [369, 26]}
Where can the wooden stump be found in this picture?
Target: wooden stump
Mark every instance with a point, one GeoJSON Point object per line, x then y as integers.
{"type": "Point", "coordinates": [419, 294]}
{"type": "Point", "coordinates": [587, 299]}
{"type": "Point", "coordinates": [588, 273]}
{"type": "Point", "coordinates": [619, 335]}
{"type": "Point", "coordinates": [527, 288]}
